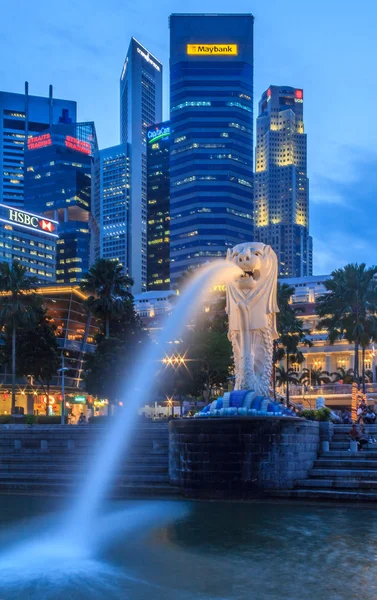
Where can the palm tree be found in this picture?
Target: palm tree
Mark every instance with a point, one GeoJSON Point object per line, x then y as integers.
{"type": "Point", "coordinates": [349, 308]}
{"type": "Point", "coordinates": [290, 329]}
{"type": "Point", "coordinates": [366, 338]}
{"type": "Point", "coordinates": [285, 377]}
{"type": "Point", "coordinates": [18, 306]}
{"type": "Point", "coordinates": [277, 357]}
{"type": "Point", "coordinates": [314, 377]}
{"type": "Point", "coordinates": [109, 287]}
{"type": "Point", "coordinates": [369, 375]}
{"type": "Point", "coordinates": [342, 375]}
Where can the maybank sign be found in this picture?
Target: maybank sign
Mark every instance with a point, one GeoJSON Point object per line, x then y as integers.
{"type": "Point", "coordinates": [212, 49]}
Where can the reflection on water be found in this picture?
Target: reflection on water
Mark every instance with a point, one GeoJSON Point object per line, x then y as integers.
{"type": "Point", "coordinates": [201, 550]}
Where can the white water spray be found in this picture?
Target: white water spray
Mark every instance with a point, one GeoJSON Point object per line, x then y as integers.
{"type": "Point", "coordinates": [140, 386]}
{"type": "Point", "coordinates": [81, 542]}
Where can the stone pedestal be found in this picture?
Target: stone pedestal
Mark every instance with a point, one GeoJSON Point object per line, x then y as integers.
{"type": "Point", "coordinates": [240, 457]}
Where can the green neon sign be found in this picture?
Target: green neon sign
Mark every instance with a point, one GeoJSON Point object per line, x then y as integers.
{"type": "Point", "coordinates": [80, 399]}
{"type": "Point", "coordinates": [158, 134]}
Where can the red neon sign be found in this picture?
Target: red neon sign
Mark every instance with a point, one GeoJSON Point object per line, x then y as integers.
{"type": "Point", "coordinates": [75, 144]}
{"type": "Point", "coordinates": [269, 93]}
{"type": "Point", "coordinates": [299, 94]}
{"type": "Point", "coordinates": [46, 225]}
{"type": "Point", "coordinates": [39, 141]}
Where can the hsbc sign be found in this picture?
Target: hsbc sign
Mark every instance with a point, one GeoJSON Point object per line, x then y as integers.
{"type": "Point", "coordinates": [32, 221]}
{"type": "Point", "coordinates": [46, 225]}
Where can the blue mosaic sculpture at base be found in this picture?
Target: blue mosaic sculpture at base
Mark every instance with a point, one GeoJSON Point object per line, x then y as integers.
{"type": "Point", "coordinates": [244, 403]}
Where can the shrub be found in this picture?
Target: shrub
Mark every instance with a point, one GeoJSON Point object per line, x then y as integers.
{"type": "Point", "coordinates": [5, 419]}
{"type": "Point", "coordinates": [322, 414]}
{"type": "Point", "coordinates": [308, 414]}
{"type": "Point", "coordinates": [31, 419]}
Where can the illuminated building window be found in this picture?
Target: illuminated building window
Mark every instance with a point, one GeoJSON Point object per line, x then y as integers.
{"type": "Point", "coordinates": [189, 104]}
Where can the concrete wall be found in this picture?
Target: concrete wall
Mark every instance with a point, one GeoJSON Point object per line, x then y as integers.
{"type": "Point", "coordinates": [238, 458]}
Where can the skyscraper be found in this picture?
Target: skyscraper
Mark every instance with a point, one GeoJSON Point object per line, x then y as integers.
{"type": "Point", "coordinates": [21, 116]}
{"type": "Point", "coordinates": [281, 184]}
{"type": "Point", "coordinates": [110, 204]}
{"type": "Point", "coordinates": [211, 106]}
{"type": "Point", "coordinates": [140, 106]}
{"type": "Point", "coordinates": [158, 196]}
{"type": "Point", "coordinates": [58, 171]}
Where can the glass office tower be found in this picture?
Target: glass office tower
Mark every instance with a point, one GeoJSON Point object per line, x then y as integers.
{"type": "Point", "coordinates": [158, 197]}
{"type": "Point", "coordinates": [211, 109]}
{"type": "Point", "coordinates": [281, 184]}
{"type": "Point", "coordinates": [21, 116]}
{"type": "Point", "coordinates": [110, 205]}
{"type": "Point", "coordinates": [140, 106]}
{"type": "Point", "coordinates": [58, 172]}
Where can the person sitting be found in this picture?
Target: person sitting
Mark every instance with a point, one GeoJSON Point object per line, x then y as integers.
{"type": "Point", "coordinates": [370, 416]}
{"type": "Point", "coordinates": [363, 436]}
{"type": "Point", "coordinates": [358, 436]}
{"type": "Point", "coordinates": [346, 417]}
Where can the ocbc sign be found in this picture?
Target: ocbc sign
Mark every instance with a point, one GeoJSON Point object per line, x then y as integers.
{"type": "Point", "coordinates": [158, 133]}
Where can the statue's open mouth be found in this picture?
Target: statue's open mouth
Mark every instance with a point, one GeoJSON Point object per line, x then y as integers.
{"type": "Point", "coordinates": [252, 274]}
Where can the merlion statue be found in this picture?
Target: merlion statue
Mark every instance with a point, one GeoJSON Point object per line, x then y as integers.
{"type": "Point", "coordinates": [251, 305]}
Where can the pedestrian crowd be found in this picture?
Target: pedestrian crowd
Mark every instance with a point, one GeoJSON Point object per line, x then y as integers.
{"type": "Point", "coordinates": [344, 416]}
{"type": "Point", "coordinates": [365, 415]}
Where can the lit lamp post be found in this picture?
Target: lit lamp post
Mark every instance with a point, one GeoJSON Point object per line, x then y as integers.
{"type": "Point", "coordinates": [171, 403]}
{"type": "Point", "coordinates": [63, 370]}
{"type": "Point", "coordinates": [176, 361]}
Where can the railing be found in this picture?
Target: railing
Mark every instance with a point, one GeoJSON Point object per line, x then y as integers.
{"type": "Point", "coordinates": [329, 389]}
{"type": "Point", "coordinates": [23, 383]}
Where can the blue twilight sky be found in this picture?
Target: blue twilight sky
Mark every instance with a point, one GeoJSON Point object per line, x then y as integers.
{"type": "Point", "coordinates": [327, 47]}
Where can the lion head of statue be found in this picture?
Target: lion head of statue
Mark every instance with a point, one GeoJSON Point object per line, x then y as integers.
{"type": "Point", "coordinates": [257, 261]}
{"type": "Point", "coordinates": [256, 285]}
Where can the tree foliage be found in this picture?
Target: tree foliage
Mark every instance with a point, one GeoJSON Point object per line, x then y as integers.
{"type": "Point", "coordinates": [108, 369]}
{"type": "Point", "coordinates": [348, 309]}
{"type": "Point", "coordinates": [284, 377]}
{"type": "Point", "coordinates": [18, 307]}
{"type": "Point", "coordinates": [291, 336]}
{"type": "Point", "coordinates": [208, 359]}
{"type": "Point", "coordinates": [342, 375]}
{"type": "Point", "coordinates": [38, 352]}
{"type": "Point", "coordinates": [109, 289]}
{"type": "Point", "coordinates": [315, 377]}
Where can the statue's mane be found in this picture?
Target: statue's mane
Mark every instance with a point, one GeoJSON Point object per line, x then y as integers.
{"type": "Point", "coordinates": [262, 300]}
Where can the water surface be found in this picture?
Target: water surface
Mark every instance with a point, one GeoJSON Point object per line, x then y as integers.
{"type": "Point", "coordinates": [181, 550]}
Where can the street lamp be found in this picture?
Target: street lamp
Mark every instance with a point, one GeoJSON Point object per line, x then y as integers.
{"type": "Point", "coordinates": [170, 402]}
{"type": "Point", "coordinates": [63, 370]}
